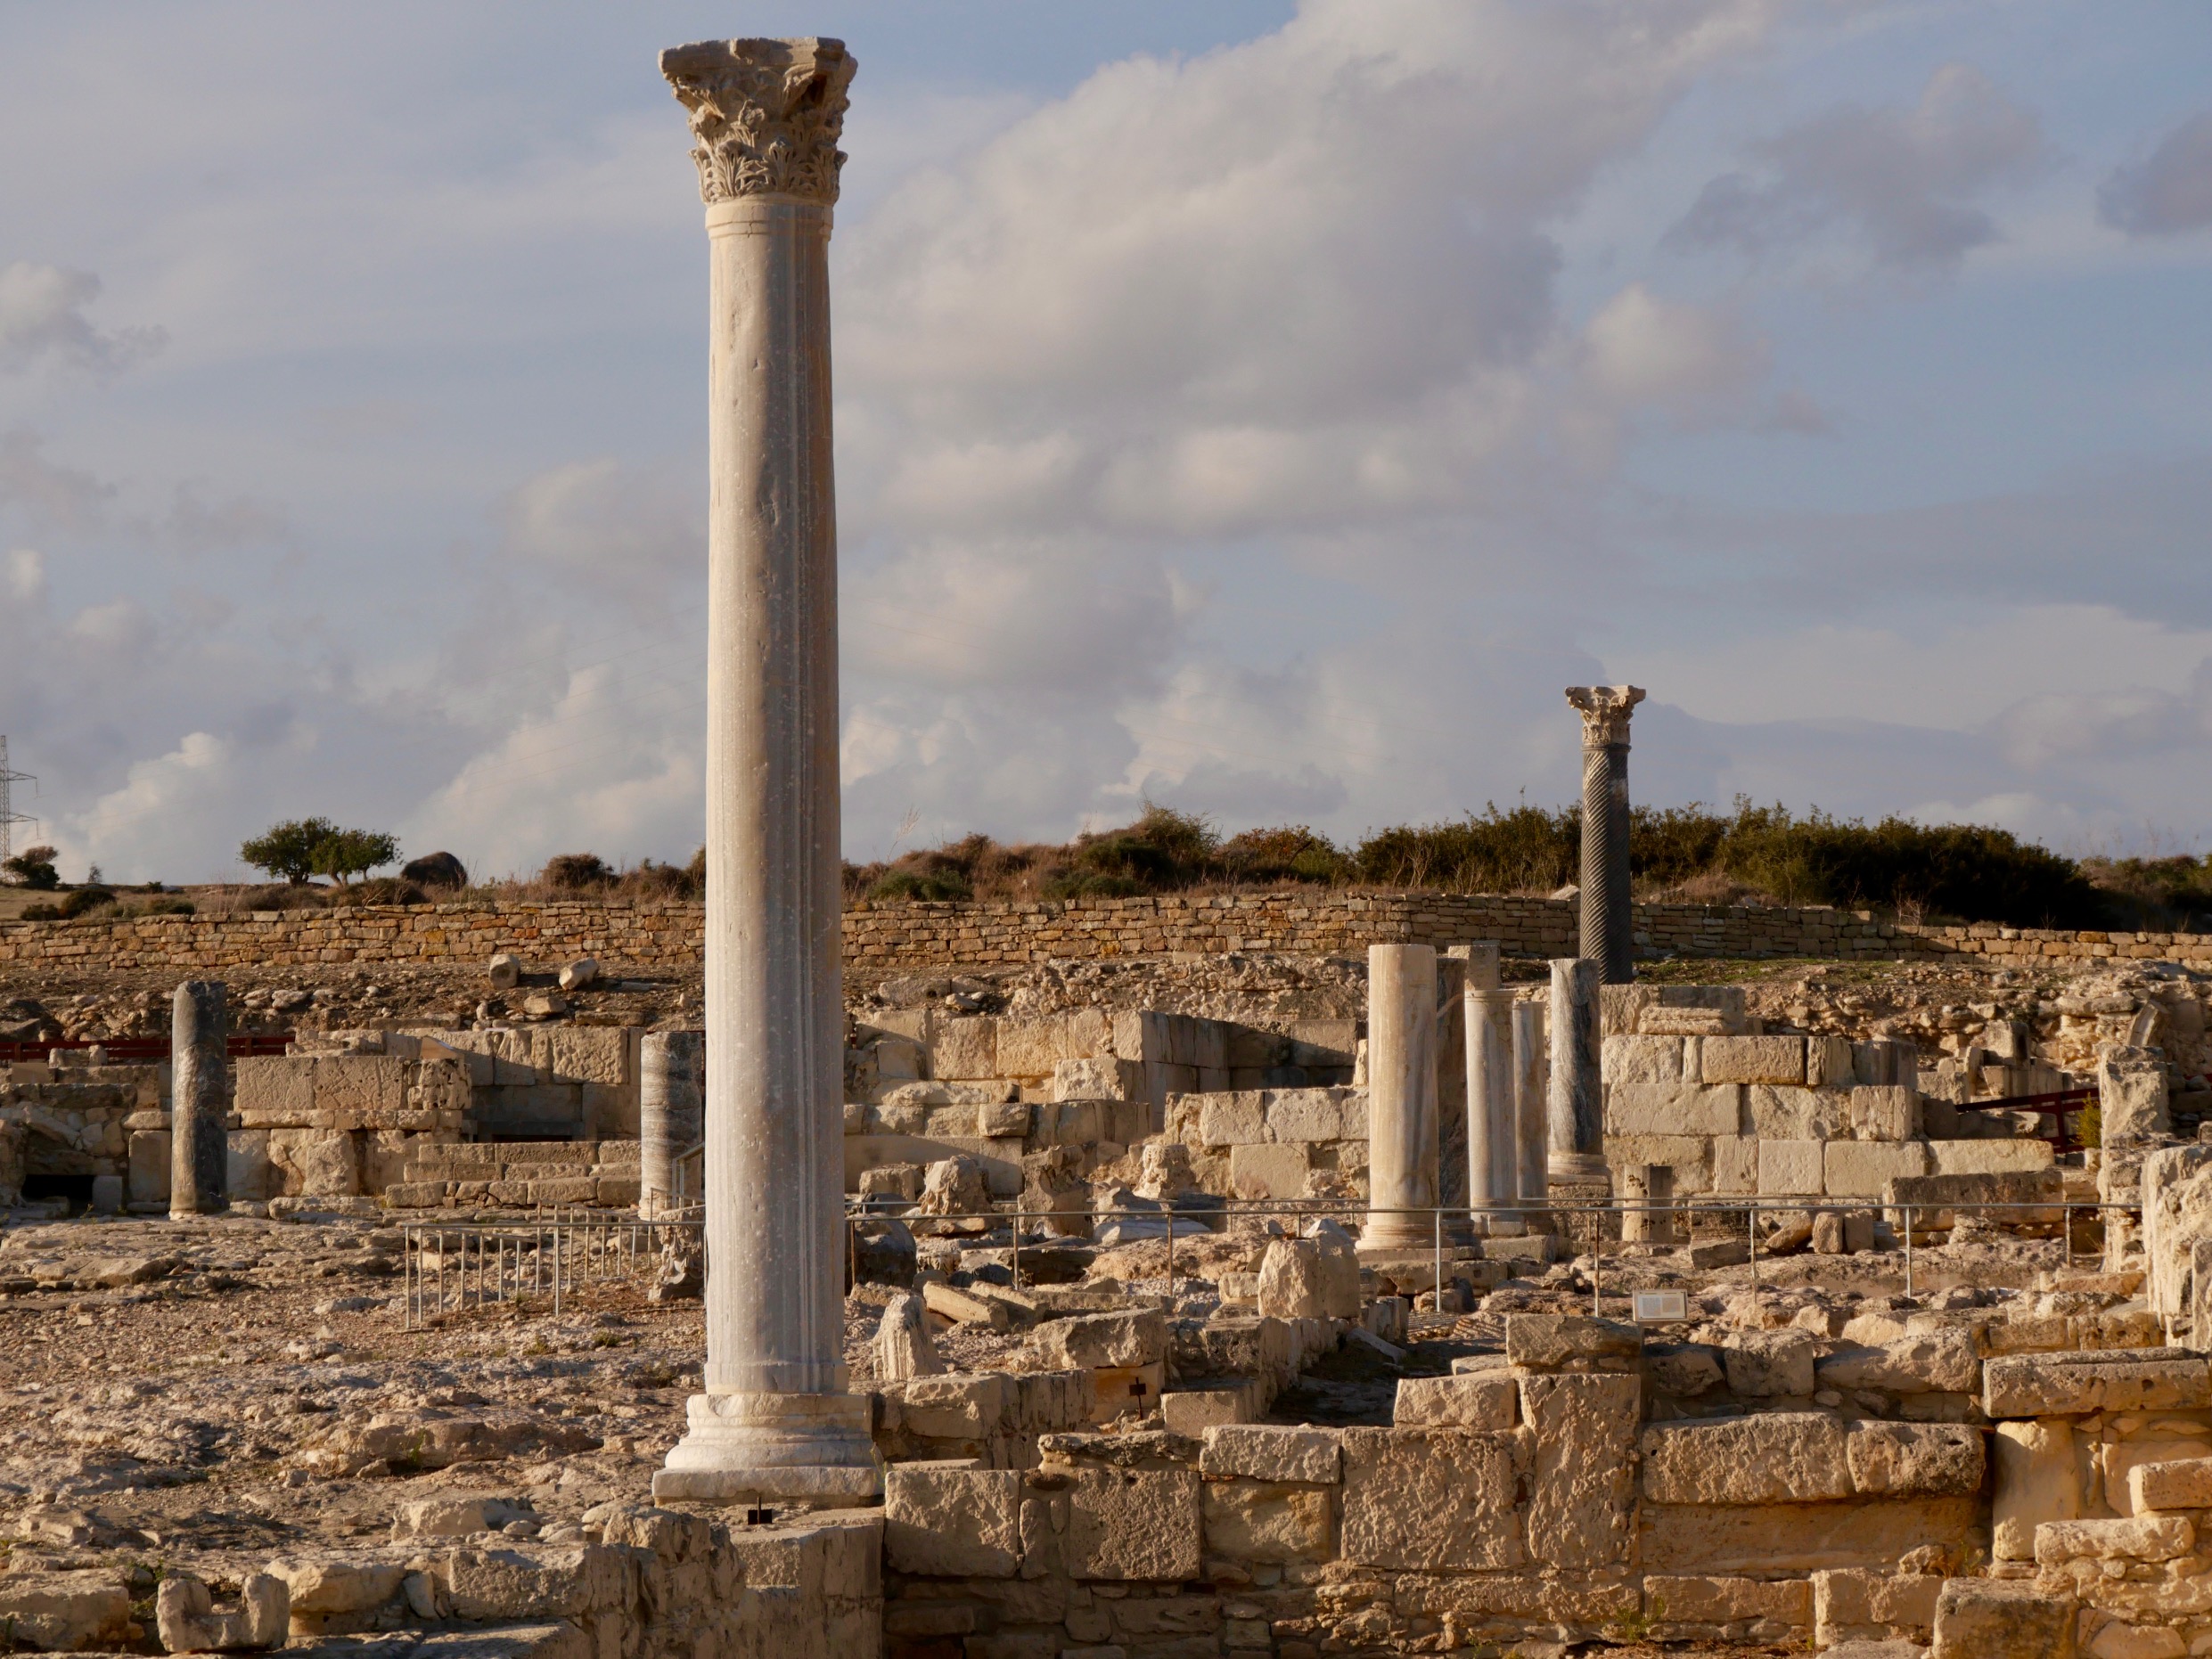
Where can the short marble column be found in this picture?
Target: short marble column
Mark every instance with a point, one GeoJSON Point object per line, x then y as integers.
{"type": "Point", "coordinates": [1532, 1080]}
{"type": "Point", "coordinates": [776, 1423]}
{"type": "Point", "coordinates": [1608, 922]}
{"type": "Point", "coordinates": [1577, 1102]}
{"type": "Point", "coordinates": [1647, 1215]}
{"type": "Point", "coordinates": [1402, 1157]}
{"type": "Point", "coordinates": [1493, 1154]}
{"type": "Point", "coordinates": [670, 1113]}
{"type": "Point", "coordinates": [199, 1100]}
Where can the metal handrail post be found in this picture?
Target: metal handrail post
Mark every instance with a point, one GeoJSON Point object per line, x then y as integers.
{"type": "Point", "coordinates": [1437, 1217]}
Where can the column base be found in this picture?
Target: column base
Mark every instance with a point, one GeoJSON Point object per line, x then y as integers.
{"type": "Point", "coordinates": [759, 1448]}
{"type": "Point", "coordinates": [1399, 1233]}
{"type": "Point", "coordinates": [1578, 1166]}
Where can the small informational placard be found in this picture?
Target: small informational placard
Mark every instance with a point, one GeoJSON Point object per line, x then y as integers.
{"type": "Point", "coordinates": [1661, 1307]}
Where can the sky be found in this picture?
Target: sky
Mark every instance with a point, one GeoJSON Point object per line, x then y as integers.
{"type": "Point", "coordinates": [1261, 408]}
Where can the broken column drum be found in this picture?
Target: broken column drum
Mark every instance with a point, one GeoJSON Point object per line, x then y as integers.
{"type": "Point", "coordinates": [776, 1422]}
{"type": "Point", "coordinates": [1577, 1104]}
{"type": "Point", "coordinates": [1608, 923]}
{"type": "Point", "coordinates": [199, 1099]}
{"type": "Point", "coordinates": [1493, 1151]}
{"type": "Point", "coordinates": [1402, 1147]}
{"type": "Point", "coordinates": [1531, 1105]}
{"type": "Point", "coordinates": [670, 1114]}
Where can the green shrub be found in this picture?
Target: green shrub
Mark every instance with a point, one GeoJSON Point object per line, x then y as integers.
{"type": "Point", "coordinates": [316, 846]}
{"type": "Point", "coordinates": [33, 868]}
{"type": "Point", "coordinates": [923, 886]}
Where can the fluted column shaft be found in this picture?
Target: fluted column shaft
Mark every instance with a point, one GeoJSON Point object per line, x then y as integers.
{"type": "Point", "coordinates": [776, 1421]}
{"type": "Point", "coordinates": [671, 1112]}
{"type": "Point", "coordinates": [1531, 1105]}
{"type": "Point", "coordinates": [1493, 1145]}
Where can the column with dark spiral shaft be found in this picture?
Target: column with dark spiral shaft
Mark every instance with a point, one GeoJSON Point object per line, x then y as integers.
{"type": "Point", "coordinates": [1608, 926]}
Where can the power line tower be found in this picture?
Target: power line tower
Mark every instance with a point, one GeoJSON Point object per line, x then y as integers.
{"type": "Point", "coordinates": [9, 816]}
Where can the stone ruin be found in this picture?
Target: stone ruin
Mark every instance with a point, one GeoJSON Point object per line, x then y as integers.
{"type": "Point", "coordinates": [1490, 1315]}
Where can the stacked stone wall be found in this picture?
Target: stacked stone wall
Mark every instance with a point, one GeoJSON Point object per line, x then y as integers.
{"type": "Point", "coordinates": [893, 938]}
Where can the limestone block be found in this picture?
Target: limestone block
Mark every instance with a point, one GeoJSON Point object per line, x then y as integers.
{"type": "Point", "coordinates": [1291, 1280]}
{"type": "Point", "coordinates": [967, 1406]}
{"type": "Point", "coordinates": [1768, 1363]}
{"type": "Point", "coordinates": [1269, 1172]}
{"type": "Point", "coordinates": [1980, 1618]}
{"type": "Point", "coordinates": [1828, 1062]}
{"type": "Point", "coordinates": [2116, 1459]}
{"type": "Point", "coordinates": [1031, 1048]}
{"type": "Point", "coordinates": [1799, 1537]}
{"type": "Point", "coordinates": [1915, 1460]}
{"type": "Point", "coordinates": [1786, 1112]}
{"type": "Point", "coordinates": [1788, 1168]}
{"type": "Point", "coordinates": [149, 1177]}
{"type": "Point", "coordinates": [1090, 1078]}
{"type": "Point", "coordinates": [65, 1612]}
{"type": "Point", "coordinates": [1308, 1115]}
{"type": "Point", "coordinates": [1429, 1500]}
{"type": "Point", "coordinates": [1231, 1120]}
{"type": "Point", "coordinates": [1138, 1337]}
{"type": "Point", "coordinates": [1643, 1108]}
{"type": "Point", "coordinates": [1140, 1036]}
{"type": "Point", "coordinates": [1653, 1063]}
{"type": "Point", "coordinates": [1767, 1458]}
{"type": "Point", "coordinates": [1923, 1362]}
{"type": "Point", "coordinates": [1684, 1369]}
{"type": "Point", "coordinates": [1884, 1112]}
{"type": "Point", "coordinates": [1582, 1497]}
{"type": "Point", "coordinates": [1133, 1523]}
{"type": "Point", "coordinates": [1736, 1164]}
{"type": "Point", "coordinates": [527, 1580]}
{"type": "Point", "coordinates": [1571, 1342]}
{"type": "Point", "coordinates": [1266, 1520]}
{"type": "Point", "coordinates": [2132, 1095]}
{"type": "Point", "coordinates": [1267, 1452]}
{"type": "Point", "coordinates": [1855, 1604]}
{"type": "Point", "coordinates": [1990, 1157]}
{"type": "Point", "coordinates": [360, 1088]}
{"type": "Point", "coordinates": [964, 1048]}
{"type": "Point", "coordinates": [1688, 1156]}
{"type": "Point", "coordinates": [1864, 1168]}
{"type": "Point", "coordinates": [597, 1054]}
{"type": "Point", "coordinates": [2071, 1385]}
{"type": "Point", "coordinates": [247, 1171]}
{"type": "Point", "coordinates": [338, 1586]}
{"type": "Point", "coordinates": [950, 1520]}
{"type": "Point", "coordinates": [1192, 1411]}
{"type": "Point", "coordinates": [1751, 1060]}
{"type": "Point", "coordinates": [1679, 1604]}
{"type": "Point", "coordinates": [277, 1090]}
{"type": "Point", "coordinates": [2181, 1483]}
{"type": "Point", "coordinates": [2122, 1640]}
{"type": "Point", "coordinates": [1477, 1400]}
{"type": "Point", "coordinates": [187, 1621]}
{"type": "Point", "coordinates": [2135, 1538]}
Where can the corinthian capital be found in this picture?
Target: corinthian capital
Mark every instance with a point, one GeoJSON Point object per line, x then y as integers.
{"type": "Point", "coordinates": [767, 114]}
{"type": "Point", "coordinates": [1605, 710]}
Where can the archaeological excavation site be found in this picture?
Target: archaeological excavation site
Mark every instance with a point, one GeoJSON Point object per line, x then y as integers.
{"type": "Point", "coordinates": [1323, 1270]}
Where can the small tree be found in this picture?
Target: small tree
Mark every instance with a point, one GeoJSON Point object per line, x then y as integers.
{"type": "Point", "coordinates": [287, 851]}
{"type": "Point", "coordinates": [316, 846]}
{"type": "Point", "coordinates": [349, 853]}
{"type": "Point", "coordinates": [33, 868]}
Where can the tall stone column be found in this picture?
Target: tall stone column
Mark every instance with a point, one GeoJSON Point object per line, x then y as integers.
{"type": "Point", "coordinates": [1401, 1096]}
{"type": "Point", "coordinates": [1608, 923]}
{"type": "Point", "coordinates": [670, 1111]}
{"type": "Point", "coordinates": [1531, 1106]}
{"type": "Point", "coordinates": [1492, 1159]}
{"type": "Point", "coordinates": [199, 1100]}
{"type": "Point", "coordinates": [1578, 1101]}
{"type": "Point", "coordinates": [776, 1421]}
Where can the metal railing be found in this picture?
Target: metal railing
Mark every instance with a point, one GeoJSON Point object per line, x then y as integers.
{"type": "Point", "coordinates": [1018, 1219]}
{"type": "Point", "coordinates": [449, 1266]}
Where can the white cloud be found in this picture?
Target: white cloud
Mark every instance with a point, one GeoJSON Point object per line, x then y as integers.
{"type": "Point", "coordinates": [1906, 182]}
{"type": "Point", "coordinates": [26, 578]}
{"type": "Point", "coordinates": [42, 316]}
{"type": "Point", "coordinates": [2169, 191]}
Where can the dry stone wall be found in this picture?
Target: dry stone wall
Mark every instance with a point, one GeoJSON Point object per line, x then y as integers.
{"type": "Point", "coordinates": [891, 938]}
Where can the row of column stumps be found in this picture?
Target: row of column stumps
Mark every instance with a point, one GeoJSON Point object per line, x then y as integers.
{"type": "Point", "coordinates": [671, 1115]}
{"type": "Point", "coordinates": [1535, 1100]}
{"type": "Point", "coordinates": [776, 1422]}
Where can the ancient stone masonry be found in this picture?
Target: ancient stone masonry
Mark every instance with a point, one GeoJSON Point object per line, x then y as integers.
{"type": "Point", "coordinates": [882, 939]}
